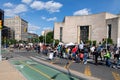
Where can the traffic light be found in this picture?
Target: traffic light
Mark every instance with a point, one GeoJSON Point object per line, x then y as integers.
{"type": "Point", "coordinates": [0, 24]}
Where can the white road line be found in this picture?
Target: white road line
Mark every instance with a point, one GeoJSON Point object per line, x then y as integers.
{"type": "Point", "coordinates": [43, 58]}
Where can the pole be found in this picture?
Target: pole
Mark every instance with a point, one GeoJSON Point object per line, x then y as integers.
{"type": "Point", "coordinates": [0, 39]}
{"type": "Point", "coordinates": [45, 38]}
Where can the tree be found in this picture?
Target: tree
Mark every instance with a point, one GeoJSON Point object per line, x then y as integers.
{"type": "Point", "coordinates": [56, 42]}
{"type": "Point", "coordinates": [41, 38]}
{"type": "Point", "coordinates": [49, 37]}
{"type": "Point", "coordinates": [11, 41]}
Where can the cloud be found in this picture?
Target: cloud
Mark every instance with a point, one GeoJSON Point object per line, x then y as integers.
{"type": "Point", "coordinates": [27, 1]}
{"type": "Point", "coordinates": [44, 18]}
{"type": "Point", "coordinates": [16, 10]}
{"type": "Point", "coordinates": [8, 5]}
{"type": "Point", "coordinates": [33, 28]}
{"type": "Point", "coordinates": [9, 12]}
{"type": "Point", "coordinates": [49, 19]}
{"type": "Point", "coordinates": [38, 5]}
{"type": "Point", "coordinates": [50, 6]}
{"type": "Point", "coordinates": [52, 19]}
{"type": "Point", "coordinates": [20, 8]}
{"type": "Point", "coordinates": [37, 29]}
{"type": "Point", "coordinates": [46, 28]}
{"type": "Point", "coordinates": [53, 6]}
{"type": "Point", "coordinates": [84, 11]}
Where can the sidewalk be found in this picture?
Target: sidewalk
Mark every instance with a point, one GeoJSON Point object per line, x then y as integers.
{"type": "Point", "coordinates": [8, 72]}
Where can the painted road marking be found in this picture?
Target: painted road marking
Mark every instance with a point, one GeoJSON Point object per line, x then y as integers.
{"type": "Point", "coordinates": [116, 76]}
{"type": "Point", "coordinates": [64, 74]}
{"type": "Point", "coordinates": [37, 70]}
{"type": "Point", "coordinates": [43, 58]}
{"type": "Point", "coordinates": [87, 71]}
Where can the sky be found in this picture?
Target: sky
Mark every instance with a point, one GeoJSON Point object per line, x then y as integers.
{"type": "Point", "coordinates": [41, 14]}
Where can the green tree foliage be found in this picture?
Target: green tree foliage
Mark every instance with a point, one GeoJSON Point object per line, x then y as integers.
{"type": "Point", "coordinates": [109, 41]}
{"type": "Point", "coordinates": [41, 38]}
{"type": "Point", "coordinates": [49, 37]}
{"type": "Point", "coordinates": [56, 42]}
{"type": "Point", "coordinates": [11, 41]}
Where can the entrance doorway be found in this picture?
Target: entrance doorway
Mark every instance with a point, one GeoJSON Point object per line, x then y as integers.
{"type": "Point", "coordinates": [84, 33]}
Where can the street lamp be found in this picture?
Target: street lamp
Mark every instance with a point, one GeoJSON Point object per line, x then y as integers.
{"type": "Point", "coordinates": [44, 37]}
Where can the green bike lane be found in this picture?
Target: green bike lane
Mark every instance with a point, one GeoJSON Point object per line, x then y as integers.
{"type": "Point", "coordinates": [33, 70]}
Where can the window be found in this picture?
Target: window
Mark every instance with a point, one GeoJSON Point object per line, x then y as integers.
{"type": "Point", "coordinates": [109, 30]}
{"type": "Point", "coordinates": [84, 33]}
{"type": "Point", "coordinates": [61, 29]}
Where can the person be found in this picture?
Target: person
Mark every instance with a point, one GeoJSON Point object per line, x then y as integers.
{"type": "Point", "coordinates": [59, 50]}
{"type": "Point", "coordinates": [85, 54]}
{"type": "Point", "coordinates": [92, 49]}
{"type": "Point", "coordinates": [38, 49]}
{"type": "Point", "coordinates": [107, 56]}
{"type": "Point", "coordinates": [118, 59]}
{"type": "Point", "coordinates": [74, 53]}
{"type": "Point", "coordinates": [116, 55]}
{"type": "Point", "coordinates": [99, 49]}
{"type": "Point", "coordinates": [51, 55]}
{"type": "Point", "coordinates": [96, 56]}
{"type": "Point", "coordinates": [81, 56]}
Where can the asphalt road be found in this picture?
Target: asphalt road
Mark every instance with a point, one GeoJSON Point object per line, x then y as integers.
{"type": "Point", "coordinates": [100, 71]}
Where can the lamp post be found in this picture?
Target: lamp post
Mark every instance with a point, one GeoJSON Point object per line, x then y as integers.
{"type": "Point", "coordinates": [0, 39]}
{"type": "Point", "coordinates": [45, 38]}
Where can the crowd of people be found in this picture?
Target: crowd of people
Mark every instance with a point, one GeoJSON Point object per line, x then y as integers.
{"type": "Point", "coordinates": [109, 55]}
{"type": "Point", "coordinates": [81, 52]}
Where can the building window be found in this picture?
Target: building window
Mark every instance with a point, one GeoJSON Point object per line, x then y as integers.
{"type": "Point", "coordinates": [61, 30]}
{"type": "Point", "coordinates": [84, 33]}
{"type": "Point", "coordinates": [109, 30]}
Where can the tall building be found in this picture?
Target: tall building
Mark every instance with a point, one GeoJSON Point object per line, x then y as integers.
{"type": "Point", "coordinates": [88, 27]}
{"type": "Point", "coordinates": [19, 26]}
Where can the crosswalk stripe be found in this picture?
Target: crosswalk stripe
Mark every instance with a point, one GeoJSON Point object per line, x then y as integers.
{"type": "Point", "coordinates": [87, 71]}
{"type": "Point", "coordinates": [116, 76]}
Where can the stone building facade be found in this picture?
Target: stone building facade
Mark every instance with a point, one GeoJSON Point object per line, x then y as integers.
{"type": "Point", "coordinates": [88, 27]}
{"type": "Point", "coordinates": [19, 26]}
{"type": "Point", "coordinates": [32, 36]}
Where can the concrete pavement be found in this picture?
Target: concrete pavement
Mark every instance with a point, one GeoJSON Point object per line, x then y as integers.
{"type": "Point", "coordinates": [8, 72]}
